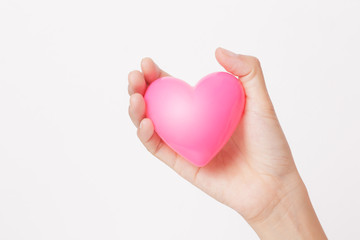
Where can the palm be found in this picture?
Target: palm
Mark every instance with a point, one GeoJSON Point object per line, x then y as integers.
{"type": "Point", "coordinates": [248, 171]}
{"type": "Point", "coordinates": [244, 174]}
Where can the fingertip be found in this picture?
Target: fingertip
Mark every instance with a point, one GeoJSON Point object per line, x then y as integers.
{"type": "Point", "coordinates": [136, 99]}
{"type": "Point", "coordinates": [224, 59]}
{"type": "Point", "coordinates": [146, 60]}
{"type": "Point", "coordinates": [218, 53]}
{"type": "Point", "coordinates": [147, 64]}
{"type": "Point", "coordinates": [137, 108]}
{"type": "Point", "coordinates": [222, 51]}
{"type": "Point", "coordinates": [150, 70]}
{"type": "Point", "coordinates": [130, 75]}
{"type": "Point", "coordinates": [136, 82]}
{"type": "Point", "coordinates": [147, 124]}
{"type": "Point", "coordinates": [145, 130]}
{"type": "Point", "coordinates": [237, 64]}
{"type": "Point", "coordinates": [218, 50]}
{"type": "Point", "coordinates": [133, 97]}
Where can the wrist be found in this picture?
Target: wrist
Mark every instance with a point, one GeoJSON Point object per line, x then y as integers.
{"type": "Point", "coordinates": [291, 217]}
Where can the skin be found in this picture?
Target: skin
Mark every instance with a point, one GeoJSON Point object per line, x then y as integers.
{"type": "Point", "coordinates": [254, 173]}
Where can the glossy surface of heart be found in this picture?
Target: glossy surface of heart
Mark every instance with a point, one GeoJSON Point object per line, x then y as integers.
{"type": "Point", "coordinates": [197, 121]}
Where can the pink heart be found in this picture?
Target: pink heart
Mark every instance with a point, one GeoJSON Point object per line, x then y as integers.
{"type": "Point", "coordinates": [196, 122]}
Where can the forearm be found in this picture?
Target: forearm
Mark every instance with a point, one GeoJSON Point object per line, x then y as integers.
{"type": "Point", "coordinates": [292, 218]}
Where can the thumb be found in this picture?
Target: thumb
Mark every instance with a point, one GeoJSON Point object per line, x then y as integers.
{"type": "Point", "coordinates": [248, 70]}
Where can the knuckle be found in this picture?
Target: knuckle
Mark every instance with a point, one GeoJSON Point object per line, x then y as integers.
{"type": "Point", "coordinates": [255, 61]}
{"type": "Point", "coordinates": [255, 66]}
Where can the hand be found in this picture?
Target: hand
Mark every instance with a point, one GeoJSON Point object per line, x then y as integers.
{"type": "Point", "coordinates": [254, 173]}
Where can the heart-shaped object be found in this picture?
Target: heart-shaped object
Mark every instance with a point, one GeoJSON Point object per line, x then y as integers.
{"type": "Point", "coordinates": [196, 122]}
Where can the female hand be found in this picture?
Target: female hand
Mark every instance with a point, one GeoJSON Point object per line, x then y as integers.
{"type": "Point", "coordinates": [254, 173]}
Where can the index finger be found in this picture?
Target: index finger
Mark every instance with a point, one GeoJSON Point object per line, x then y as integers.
{"type": "Point", "coordinates": [151, 70]}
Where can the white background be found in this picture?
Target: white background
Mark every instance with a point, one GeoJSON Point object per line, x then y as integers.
{"type": "Point", "coordinates": [71, 166]}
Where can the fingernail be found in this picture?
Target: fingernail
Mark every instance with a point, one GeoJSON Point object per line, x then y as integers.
{"type": "Point", "coordinates": [141, 124]}
{"type": "Point", "coordinates": [227, 52]}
